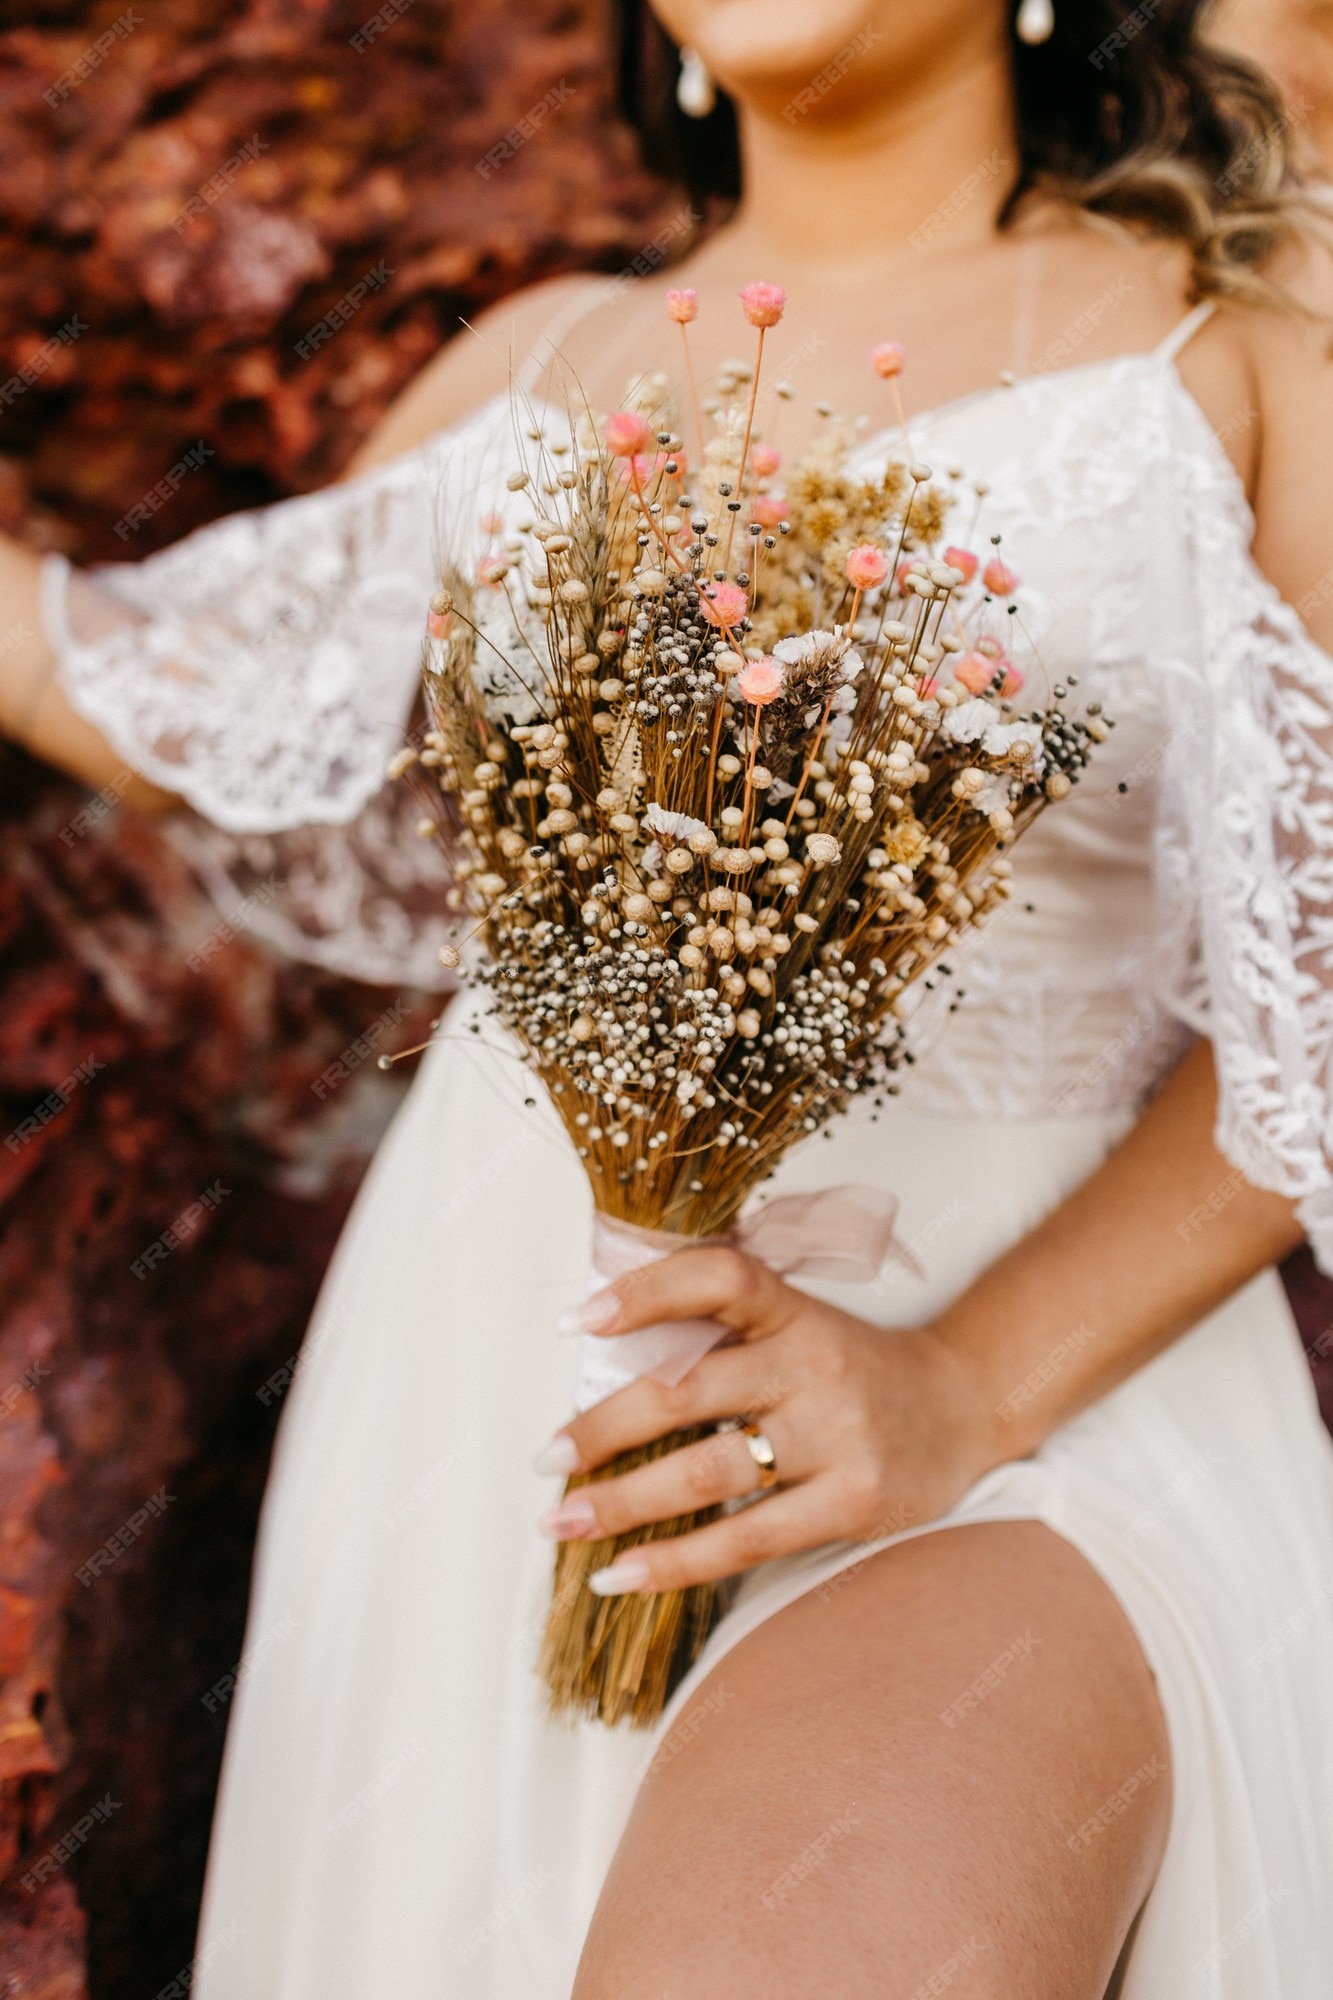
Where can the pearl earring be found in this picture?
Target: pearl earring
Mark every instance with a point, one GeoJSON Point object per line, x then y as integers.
{"type": "Point", "coordinates": [1036, 22]}
{"type": "Point", "coordinates": [696, 93]}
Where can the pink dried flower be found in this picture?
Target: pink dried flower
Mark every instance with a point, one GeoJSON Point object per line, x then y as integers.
{"type": "Point", "coordinates": [760, 681]}
{"type": "Point", "coordinates": [683, 306]}
{"type": "Point", "coordinates": [648, 470]}
{"type": "Point", "coordinates": [962, 559]}
{"type": "Point", "coordinates": [770, 509]}
{"type": "Point", "coordinates": [867, 566]}
{"type": "Point", "coordinates": [627, 434]}
{"type": "Point", "coordinates": [999, 579]}
{"type": "Point", "coordinates": [889, 359]}
{"type": "Point", "coordinates": [724, 604]}
{"type": "Point", "coordinates": [438, 623]}
{"type": "Point", "coordinates": [765, 458]}
{"type": "Point", "coordinates": [977, 671]}
{"type": "Point", "coordinates": [763, 305]}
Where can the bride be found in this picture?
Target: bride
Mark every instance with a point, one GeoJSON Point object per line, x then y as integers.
{"type": "Point", "coordinates": [1027, 1685]}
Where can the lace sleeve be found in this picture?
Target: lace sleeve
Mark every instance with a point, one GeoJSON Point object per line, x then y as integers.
{"type": "Point", "coordinates": [1245, 851]}
{"type": "Point", "coordinates": [264, 669]}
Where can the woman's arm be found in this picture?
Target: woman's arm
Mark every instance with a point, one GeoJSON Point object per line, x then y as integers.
{"type": "Point", "coordinates": [34, 710]}
{"type": "Point", "coordinates": [1163, 1232]}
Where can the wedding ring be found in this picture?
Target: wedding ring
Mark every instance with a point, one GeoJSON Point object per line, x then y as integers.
{"type": "Point", "coordinates": [760, 1448]}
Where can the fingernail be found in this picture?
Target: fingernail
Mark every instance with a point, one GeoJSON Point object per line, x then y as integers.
{"type": "Point", "coordinates": [625, 1574]}
{"type": "Point", "coordinates": [560, 1456]}
{"type": "Point", "coordinates": [572, 1521]}
{"type": "Point", "coordinates": [596, 1315]}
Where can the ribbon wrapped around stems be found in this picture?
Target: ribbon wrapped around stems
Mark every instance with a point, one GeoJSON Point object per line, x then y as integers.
{"type": "Point", "coordinates": [840, 1233]}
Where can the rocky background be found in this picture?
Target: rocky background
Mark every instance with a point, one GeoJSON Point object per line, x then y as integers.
{"type": "Point", "coordinates": [156, 1071]}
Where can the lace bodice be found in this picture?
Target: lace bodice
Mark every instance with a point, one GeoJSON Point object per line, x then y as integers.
{"type": "Point", "coordinates": [265, 668]}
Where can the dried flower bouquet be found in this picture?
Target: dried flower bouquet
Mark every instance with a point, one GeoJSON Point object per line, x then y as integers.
{"type": "Point", "coordinates": [724, 769]}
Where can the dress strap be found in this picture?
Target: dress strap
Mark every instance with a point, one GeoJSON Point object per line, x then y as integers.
{"type": "Point", "coordinates": [1184, 330]}
{"type": "Point", "coordinates": [571, 316]}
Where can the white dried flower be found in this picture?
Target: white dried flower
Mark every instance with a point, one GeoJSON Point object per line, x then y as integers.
{"type": "Point", "coordinates": [820, 649]}
{"type": "Point", "coordinates": [969, 722]}
{"type": "Point", "coordinates": [672, 826]}
{"type": "Point", "coordinates": [823, 849]}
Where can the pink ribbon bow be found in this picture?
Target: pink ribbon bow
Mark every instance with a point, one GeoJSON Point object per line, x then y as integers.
{"type": "Point", "coordinates": [840, 1233]}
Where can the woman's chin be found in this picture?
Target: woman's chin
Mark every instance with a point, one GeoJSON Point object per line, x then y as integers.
{"type": "Point", "coordinates": [769, 41]}
{"type": "Point", "coordinates": [782, 49]}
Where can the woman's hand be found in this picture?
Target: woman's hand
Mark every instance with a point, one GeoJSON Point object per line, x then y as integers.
{"type": "Point", "coordinates": [873, 1430]}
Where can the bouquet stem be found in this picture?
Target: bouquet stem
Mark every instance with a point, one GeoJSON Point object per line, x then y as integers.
{"type": "Point", "coordinates": [618, 1659]}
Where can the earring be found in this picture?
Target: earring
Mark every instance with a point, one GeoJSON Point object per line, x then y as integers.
{"type": "Point", "coordinates": [1035, 22]}
{"type": "Point", "coordinates": [696, 93]}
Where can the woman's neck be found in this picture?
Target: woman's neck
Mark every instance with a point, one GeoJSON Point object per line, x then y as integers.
{"type": "Point", "coordinates": [938, 152]}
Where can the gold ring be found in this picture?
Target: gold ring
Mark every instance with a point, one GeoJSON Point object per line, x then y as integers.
{"type": "Point", "coordinates": [760, 1448]}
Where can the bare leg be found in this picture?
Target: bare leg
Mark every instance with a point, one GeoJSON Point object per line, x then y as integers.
{"type": "Point", "coordinates": [909, 1785]}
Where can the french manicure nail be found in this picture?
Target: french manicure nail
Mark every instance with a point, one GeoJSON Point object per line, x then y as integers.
{"type": "Point", "coordinates": [625, 1574]}
{"type": "Point", "coordinates": [559, 1457]}
{"type": "Point", "coordinates": [572, 1521]}
{"type": "Point", "coordinates": [596, 1315]}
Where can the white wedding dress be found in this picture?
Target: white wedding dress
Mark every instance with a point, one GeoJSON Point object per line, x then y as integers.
{"type": "Point", "coordinates": [396, 1815]}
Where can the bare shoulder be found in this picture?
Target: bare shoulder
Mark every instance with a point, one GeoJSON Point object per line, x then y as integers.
{"type": "Point", "coordinates": [1290, 359]}
{"type": "Point", "coordinates": [474, 366]}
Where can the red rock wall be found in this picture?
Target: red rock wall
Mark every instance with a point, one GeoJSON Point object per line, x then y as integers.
{"type": "Point", "coordinates": [318, 164]}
